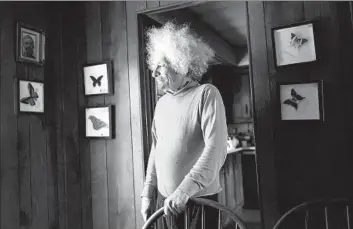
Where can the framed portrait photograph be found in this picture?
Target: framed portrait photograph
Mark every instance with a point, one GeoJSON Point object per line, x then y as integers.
{"type": "Point", "coordinates": [30, 45]}
{"type": "Point", "coordinates": [30, 96]}
{"type": "Point", "coordinates": [97, 79]}
{"type": "Point", "coordinates": [294, 44]}
{"type": "Point", "coordinates": [301, 101]}
{"type": "Point", "coordinates": [99, 123]}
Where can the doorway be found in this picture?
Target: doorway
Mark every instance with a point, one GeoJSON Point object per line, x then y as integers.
{"type": "Point", "coordinates": [229, 72]}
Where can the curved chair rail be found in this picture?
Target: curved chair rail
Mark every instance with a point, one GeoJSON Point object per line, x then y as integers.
{"type": "Point", "coordinates": [203, 202]}
{"type": "Point", "coordinates": [323, 203]}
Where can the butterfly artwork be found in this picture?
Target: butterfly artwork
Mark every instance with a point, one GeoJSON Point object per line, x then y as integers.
{"type": "Point", "coordinates": [301, 101]}
{"type": "Point", "coordinates": [31, 96]}
{"type": "Point", "coordinates": [97, 79]}
{"type": "Point", "coordinates": [294, 100]}
{"type": "Point", "coordinates": [98, 122]}
{"type": "Point", "coordinates": [296, 41]}
{"type": "Point", "coordinates": [294, 44]}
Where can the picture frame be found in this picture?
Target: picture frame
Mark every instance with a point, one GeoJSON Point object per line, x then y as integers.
{"type": "Point", "coordinates": [30, 44]}
{"type": "Point", "coordinates": [30, 96]}
{"type": "Point", "coordinates": [294, 44]}
{"type": "Point", "coordinates": [99, 123]}
{"type": "Point", "coordinates": [97, 79]}
{"type": "Point", "coordinates": [301, 101]}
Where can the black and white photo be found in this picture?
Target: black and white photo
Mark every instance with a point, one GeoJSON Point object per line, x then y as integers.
{"type": "Point", "coordinates": [31, 96]}
{"type": "Point", "coordinates": [30, 44]}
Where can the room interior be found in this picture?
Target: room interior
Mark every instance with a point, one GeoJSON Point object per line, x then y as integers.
{"type": "Point", "coordinates": [53, 176]}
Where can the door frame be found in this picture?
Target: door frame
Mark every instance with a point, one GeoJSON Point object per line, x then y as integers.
{"type": "Point", "coordinates": [268, 197]}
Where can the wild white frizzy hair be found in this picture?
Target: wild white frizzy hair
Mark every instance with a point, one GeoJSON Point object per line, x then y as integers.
{"type": "Point", "coordinates": [186, 52]}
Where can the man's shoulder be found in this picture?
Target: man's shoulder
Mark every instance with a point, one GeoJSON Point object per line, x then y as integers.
{"type": "Point", "coordinates": [208, 89]}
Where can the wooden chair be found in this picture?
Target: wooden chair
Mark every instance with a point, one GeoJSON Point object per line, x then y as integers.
{"type": "Point", "coordinates": [228, 218]}
{"type": "Point", "coordinates": [326, 214]}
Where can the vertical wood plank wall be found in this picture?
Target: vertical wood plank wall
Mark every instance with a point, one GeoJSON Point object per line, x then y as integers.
{"type": "Point", "coordinates": [52, 177]}
{"type": "Point", "coordinates": [40, 154]}
{"type": "Point", "coordinates": [302, 161]}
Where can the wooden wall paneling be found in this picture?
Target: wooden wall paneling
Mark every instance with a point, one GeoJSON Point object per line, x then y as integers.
{"type": "Point", "coordinates": [263, 117]}
{"type": "Point", "coordinates": [119, 150]}
{"type": "Point", "coordinates": [85, 157]}
{"type": "Point", "coordinates": [38, 140]}
{"type": "Point", "coordinates": [54, 117]}
{"type": "Point", "coordinates": [9, 196]}
{"type": "Point", "coordinates": [70, 115]}
{"type": "Point", "coordinates": [24, 157]}
{"type": "Point", "coordinates": [98, 151]}
{"type": "Point", "coordinates": [23, 143]}
{"type": "Point", "coordinates": [53, 109]}
{"type": "Point", "coordinates": [135, 105]}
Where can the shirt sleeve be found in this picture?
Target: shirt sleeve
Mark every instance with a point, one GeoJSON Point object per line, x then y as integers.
{"type": "Point", "coordinates": [214, 129]}
{"type": "Point", "coordinates": [150, 183]}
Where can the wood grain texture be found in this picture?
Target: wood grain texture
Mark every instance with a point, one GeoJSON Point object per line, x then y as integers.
{"type": "Point", "coordinates": [263, 117]}
{"type": "Point", "coordinates": [70, 115]}
{"type": "Point", "coordinates": [119, 150]}
{"type": "Point", "coordinates": [333, 68]}
{"type": "Point", "coordinates": [9, 194]}
{"type": "Point", "coordinates": [99, 186]}
{"type": "Point", "coordinates": [135, 106]}
{"type": "Point", "coordinates": [51, 115]}
{"type": "Point", "coordinates": [84, 144]}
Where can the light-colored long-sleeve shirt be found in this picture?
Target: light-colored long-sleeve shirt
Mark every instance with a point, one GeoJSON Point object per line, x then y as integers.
{"type": "Point", "coordinates": [189, 142]}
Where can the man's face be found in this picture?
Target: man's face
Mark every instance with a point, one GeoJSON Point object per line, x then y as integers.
{"type": "Point", "coordinates": [166, 77]}
{"type": "Point", "coordinates": [28, 45]}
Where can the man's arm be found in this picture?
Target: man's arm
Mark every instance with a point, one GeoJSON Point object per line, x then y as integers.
{"type": "Point", "coordinates": [150, 183]}
{"type": "Point", "coordinates": [214, 128]}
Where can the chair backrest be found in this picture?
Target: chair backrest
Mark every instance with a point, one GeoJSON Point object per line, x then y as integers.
{"type": "Point", "coordinates": [229, 215]}
{"type": "Point", "coordinates": [326, 214]}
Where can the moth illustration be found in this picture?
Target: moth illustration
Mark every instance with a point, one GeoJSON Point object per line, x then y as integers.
{"type": "Point", "coordinates": [296, 41]}
{"type": "Point", "coordinates": [294, 100]}
{"type": "Point", "coordinates": [32, 98]}
{"type": "Point", "coordinates": [96, 81]}
{"type": "Point", "coordinates": [97, 123]}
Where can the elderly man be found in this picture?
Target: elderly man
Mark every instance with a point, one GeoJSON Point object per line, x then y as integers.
{"type": "Point", "coordinates": [189, 127]}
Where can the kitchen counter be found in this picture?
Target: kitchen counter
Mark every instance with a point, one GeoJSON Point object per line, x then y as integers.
{"type": "Point", "coordinates": [245, 150]}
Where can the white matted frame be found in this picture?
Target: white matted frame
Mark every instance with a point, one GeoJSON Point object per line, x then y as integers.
{"type": "Point", "coordinates": [30, 96]}
{"type": "Point", "coordinates": [301, 101]}
{"type": "Point", "coordinates": [97, 79]}
{"type": "Point", "coordinates": [30, 44]}
{"type": "Point", "coordinates": [99, 123]}
{"type": "Point", "coordinates": [294, 44]}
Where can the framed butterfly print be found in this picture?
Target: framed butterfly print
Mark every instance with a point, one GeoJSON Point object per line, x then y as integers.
{"type": "Point", "coordinates": [294, 44]}
{"type": "Point", "coordinates": [31, 96]}
{"type": "Point", "coordinates": [99, 123]}
{"type": "Point", "coordinates": [301, 101]}
{"type": "Point", "coordinates": [97, 79]}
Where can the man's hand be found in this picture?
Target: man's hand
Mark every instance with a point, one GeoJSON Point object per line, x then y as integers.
{"type": "Point", "coordinates": [175, 203]}
{"type": "Point", "coordinates": [145, 208]}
